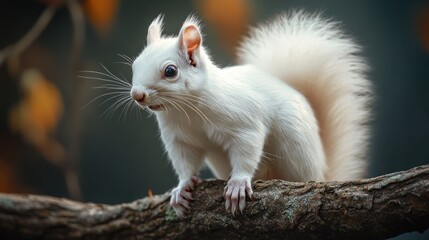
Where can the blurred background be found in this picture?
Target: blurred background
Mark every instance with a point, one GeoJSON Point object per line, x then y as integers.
{"type": "Point", "coordinates": [53, 142]}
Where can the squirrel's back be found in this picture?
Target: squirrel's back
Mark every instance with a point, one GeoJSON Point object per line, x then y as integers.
{"type": "Point", "coordinates": [312, 55]}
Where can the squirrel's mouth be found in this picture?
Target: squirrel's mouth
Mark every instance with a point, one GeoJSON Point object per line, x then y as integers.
{"type": "Point", "coordinates": [156, 107]}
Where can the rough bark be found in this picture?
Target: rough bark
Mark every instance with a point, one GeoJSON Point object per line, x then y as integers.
{"type": "Point", "coordinates": [375, 208]}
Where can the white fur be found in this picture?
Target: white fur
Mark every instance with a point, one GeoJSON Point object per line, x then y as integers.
{"type": "Point", "coordinates": [155, 30]}
{"type": "Point", "coordinates": [245, 122]}
{"type": "Point", "coordinates": [316, 58]}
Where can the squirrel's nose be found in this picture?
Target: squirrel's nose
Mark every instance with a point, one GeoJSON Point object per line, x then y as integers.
{"type": "Point", "coordinates": [138, 94]}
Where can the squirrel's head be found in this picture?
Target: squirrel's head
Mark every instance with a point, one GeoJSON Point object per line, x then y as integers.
{"type": "Point", "coordinates": [169, 67]}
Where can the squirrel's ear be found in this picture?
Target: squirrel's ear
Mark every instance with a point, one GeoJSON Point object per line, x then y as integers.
{"type": "Point", "coordinates": [190, 40]}
{"type": "Point", "coordinates": [155, 29]}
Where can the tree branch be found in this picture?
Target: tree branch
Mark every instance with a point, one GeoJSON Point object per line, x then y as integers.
{"type": "Point", "coordinates": [19, 47]}
{"type": "Point", "coordinates": [375, 208]}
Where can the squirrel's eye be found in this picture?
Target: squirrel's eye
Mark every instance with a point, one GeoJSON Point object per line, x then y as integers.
{"type": "Point", "coordinates": [170, 71]}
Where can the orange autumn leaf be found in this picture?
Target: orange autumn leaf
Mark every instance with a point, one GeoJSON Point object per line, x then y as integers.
{"type": "Point", "coordinates": [37, 115]}
{"type": "Point", "coordinates": [9, 165]}
{"type": "Point", "coordinates": [7, 176]}
{"type": "Point", "coordinates": [228, 18]}
{"type": "Point", "coordinates": [43, 100]}
{"type": "Point", "coordinates": [38, 112]}
{"type": "Point", "coordinates": [423, 26]}
{"type": "Point", "coordinates": [100, 14]}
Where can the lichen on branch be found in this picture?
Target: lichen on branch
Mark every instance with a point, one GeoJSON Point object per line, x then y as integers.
{"type": "Point", "coordinates": [374, 208]}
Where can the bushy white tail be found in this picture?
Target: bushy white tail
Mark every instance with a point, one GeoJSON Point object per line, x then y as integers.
{"type": "Point", "coordinates": [312, 55]}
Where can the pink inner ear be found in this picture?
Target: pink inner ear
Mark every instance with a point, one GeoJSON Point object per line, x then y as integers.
{"type": "Point", "coordinates": [191, 39]}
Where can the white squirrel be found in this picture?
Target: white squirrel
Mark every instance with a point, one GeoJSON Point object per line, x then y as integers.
{"type": "Point", "coordinates": [294, 108]}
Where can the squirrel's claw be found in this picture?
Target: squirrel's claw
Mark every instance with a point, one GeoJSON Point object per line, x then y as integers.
{"type": "Point", "coordinates": [235, 194]}
{"type": "Point", "coordinates": [182, 195]}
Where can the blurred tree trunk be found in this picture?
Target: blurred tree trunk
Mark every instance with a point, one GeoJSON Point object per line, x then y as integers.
{"type": "Point", "coordinates": [375, 208]}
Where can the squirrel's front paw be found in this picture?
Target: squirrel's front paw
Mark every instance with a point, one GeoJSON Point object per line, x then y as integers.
{"type": "Point", "coordinates": [235, 194]}
{"type": "Point", "coordinates": [182, 195]}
